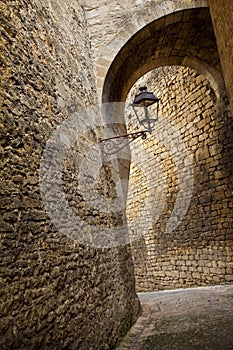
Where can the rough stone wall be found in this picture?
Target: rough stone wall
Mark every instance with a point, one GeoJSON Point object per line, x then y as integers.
{"type": "Point", "coordinates": [193, 127]}
{"type": "Point", "coordinates": [222, 18]}
{"type": "Point", "coordinates": [56, 293]}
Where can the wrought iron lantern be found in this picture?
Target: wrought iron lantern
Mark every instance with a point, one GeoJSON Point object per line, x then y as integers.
{"type": "Point", "coordinates": [142, 102]}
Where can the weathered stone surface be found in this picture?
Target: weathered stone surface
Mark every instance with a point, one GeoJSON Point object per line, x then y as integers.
{"type": "Point", "coordinates": [55, 292]}
{"type": "Point", "coordinates": [196, 251]}
{"type": "Point", "coordinates": [224, 34]}
{"type": "Point", "coordinates": [63, 295]}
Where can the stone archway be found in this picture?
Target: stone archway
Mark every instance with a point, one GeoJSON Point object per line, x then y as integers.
{"type": "Point", "coordinates": [147, 13]}
{"type": "Point", "coordinates": [186, 38]}
{"type": "Point", "coordinates": [175, 35]}
{"type": "Point", "coordinates": [181, 38]}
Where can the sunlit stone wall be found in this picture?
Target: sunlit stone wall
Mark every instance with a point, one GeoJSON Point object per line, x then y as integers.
{"type": "Point", "coordinates": [180, 197]}
{"type": "Point", "coordinates": [59, 289]}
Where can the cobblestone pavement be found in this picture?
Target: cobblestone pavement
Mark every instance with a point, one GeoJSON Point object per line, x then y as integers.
{"type": "Point", "coordinates": [184, 319]}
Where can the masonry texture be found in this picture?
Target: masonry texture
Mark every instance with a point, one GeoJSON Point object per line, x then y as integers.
{"type": "Point", "coordinates": [198, 251]}
{"type": "Point", "coordinates": [61, 287]}
{"type": "Point", "coordinates": [55, 292]}
{"type": "Point", "coordinates": [224, 34]}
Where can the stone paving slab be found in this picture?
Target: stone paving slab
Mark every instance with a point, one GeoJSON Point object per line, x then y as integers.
{"type": "Point", "coordinates": [185, 319]}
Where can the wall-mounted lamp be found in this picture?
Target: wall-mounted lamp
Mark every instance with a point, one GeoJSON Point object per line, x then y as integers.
{"type": "Point", "coordinates": [141, 104]}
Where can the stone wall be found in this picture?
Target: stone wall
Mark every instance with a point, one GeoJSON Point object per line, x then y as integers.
{"type": "Point", "coordinates": [56, 292]}
{"type": "Point", "coordinates": [180, 195]}
{"type": "Point", "coordinates": [223, 27]}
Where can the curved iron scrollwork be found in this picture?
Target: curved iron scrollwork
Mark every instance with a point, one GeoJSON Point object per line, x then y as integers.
{"type": "Point", "coordinates": [114, 144]}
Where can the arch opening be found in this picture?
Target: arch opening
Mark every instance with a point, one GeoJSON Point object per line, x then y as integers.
{"type": "Point", "coordinates": [183, 43]}
{"type": "Point", "coordinates": [182, 38]}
